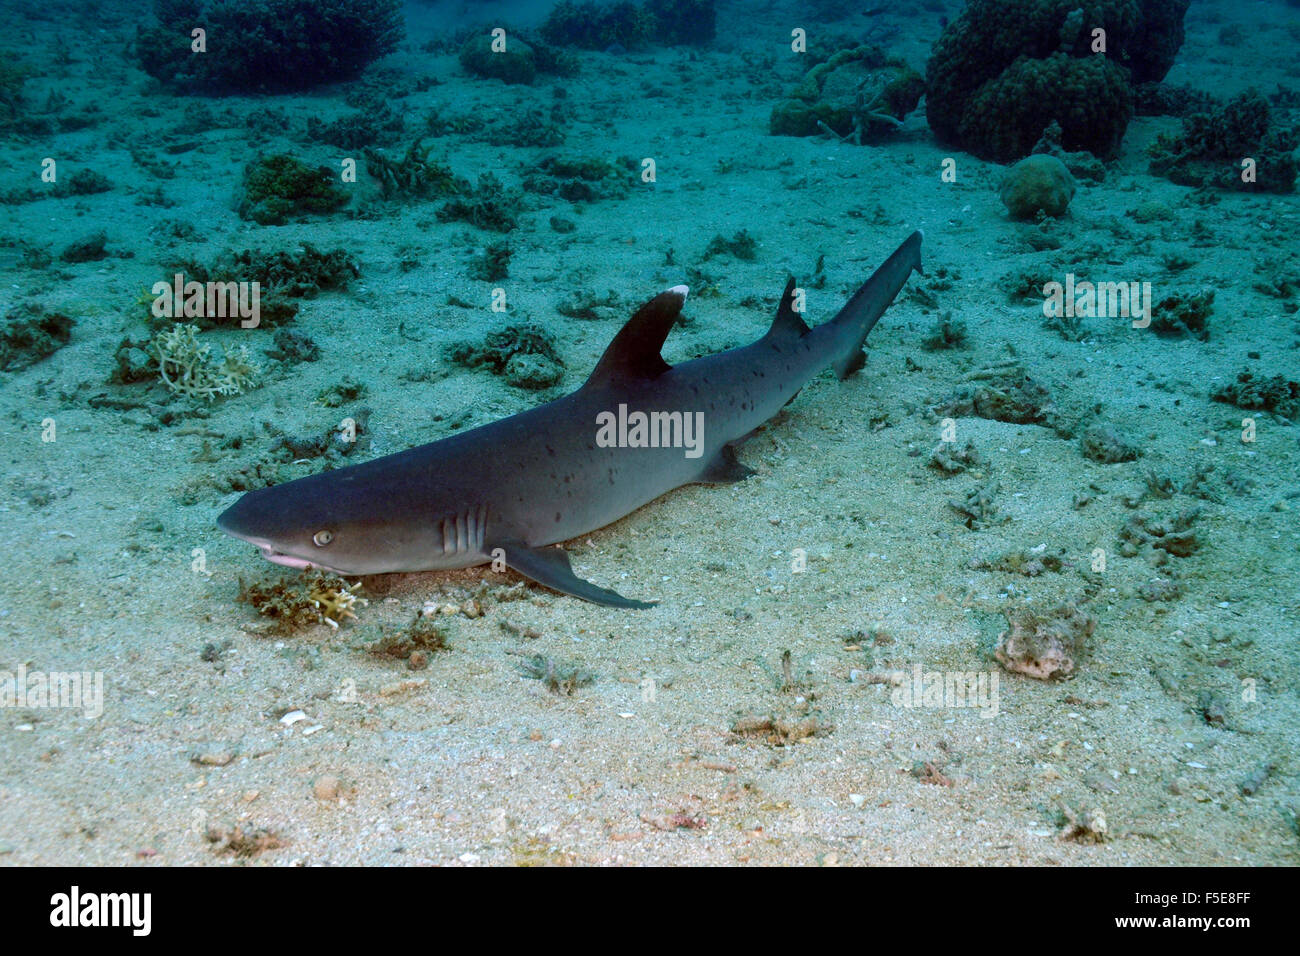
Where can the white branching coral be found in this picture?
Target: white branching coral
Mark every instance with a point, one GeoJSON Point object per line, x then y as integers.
{"type": "Point", "coordinates": [189, 368]}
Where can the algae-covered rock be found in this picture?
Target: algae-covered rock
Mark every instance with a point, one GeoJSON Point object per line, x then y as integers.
{"type": "Point", "coordinates": [31, 334]}
{"type": "Point", "coordinates": [271, 45]}
{"type": "Point", "coordinates": [525, 354]}
{"type": "Point", "coordinates": [596, 26]}
{"type": "Point", "coordinates": [531, 371]}
{"type": "Point", "coordinates": [515, 64]}
{"type": "Point", "coordinates": [858, 94]}
{"type": "Point", "coordinates": [279, 187]}
{"type": "Point", "coordinates": [1102, 444]}
{"type": "Point", "coordinates": [88, 248]}
{"type": "Point", "coordinates": [1038, 183]}
{"type": "Point", "coordinates": [1045, 647]}
{"type": "Point", "coordinates": [1184, 313]}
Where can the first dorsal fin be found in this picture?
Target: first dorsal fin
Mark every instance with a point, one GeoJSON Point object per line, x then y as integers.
{"type": "Point", "coordinates": [787, 323]}
{"type": "Point", "coordinates": [634, 353]}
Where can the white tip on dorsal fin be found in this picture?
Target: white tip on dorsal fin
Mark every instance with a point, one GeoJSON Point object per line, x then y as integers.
{"type": "Point", "coordinates": [634, 352]}
{"type": "Point", "coordinates": [681, 290]}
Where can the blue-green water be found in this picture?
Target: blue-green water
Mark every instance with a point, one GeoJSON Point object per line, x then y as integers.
{"type": "Point", "coordinates": [1068, 471]}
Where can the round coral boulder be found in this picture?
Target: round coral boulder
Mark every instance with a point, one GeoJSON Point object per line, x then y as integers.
{"type": "Point", "coordinates": [1038, 183]}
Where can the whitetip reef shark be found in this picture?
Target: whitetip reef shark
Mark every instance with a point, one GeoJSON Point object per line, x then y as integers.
{"type": "Point", "coordinates": [507, 491]}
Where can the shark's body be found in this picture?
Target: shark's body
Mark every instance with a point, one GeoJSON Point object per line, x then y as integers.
{"type": "Point", "coordinates": [510, 489]}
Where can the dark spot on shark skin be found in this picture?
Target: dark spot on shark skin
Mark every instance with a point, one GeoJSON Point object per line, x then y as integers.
{"type": "Point", "coordinates": [557, 517]}
{"type": "Point", "coordinates": [567, 479]}
{"type": "Point", "coordinates": [550, 451]}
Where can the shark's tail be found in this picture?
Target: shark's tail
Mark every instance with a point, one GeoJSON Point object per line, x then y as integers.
{"type": "Point", "coordinates": [860, 313]}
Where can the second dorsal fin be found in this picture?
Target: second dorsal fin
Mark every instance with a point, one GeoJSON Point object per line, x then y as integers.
{"type": "Point", "coordinates": [787, 323]}
{"type": "Point", "coordinates": [634, 352]}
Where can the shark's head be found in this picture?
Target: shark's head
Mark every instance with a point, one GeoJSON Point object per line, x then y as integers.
{"type": "Point", "coordinates": [318, 522]}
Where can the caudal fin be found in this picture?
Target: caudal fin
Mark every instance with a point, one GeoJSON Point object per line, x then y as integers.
{"type": "Point", "coordinates": [860, 313]}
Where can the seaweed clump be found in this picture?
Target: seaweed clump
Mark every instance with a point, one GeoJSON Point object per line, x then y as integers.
{"type": "Point", "coordinates": [1031, 562]}
{"type": "Point", "coordinates": [414, 176]}
{"type": "Point", "coordinates": [31, 334]}
{"type": "Point", "coordinates": [1155, 540]}
{"type": "Point", "coordinates": [1210, 148]}
{"type": "Point", "coordinates": [487, 206]}
{"type": "Point", "coordinates": [83, 182]}
{"type": "Point", "coordinates": [279, 187]}
{"type": "Point", "coordinates": [1004, 393]}
{"type": "Point", "coordinates": [559, 677]}
{"type": "Point", "coordinates": [627, 26]}
{"type": "Point", "coordinates": [267, 45]}
{"type": "Point", "coordinates": [13, 77]}
{"type": "Point", "coordinates": [978, 510]}
{"type": "Point", "coordinates": [740, 246]}
{"type": "Point", "coordinates": [525, 354]}
{"type": "Point", "coordinates": [946, 333]}
{"type": "Point", "coordinates": [579, 180]}
{"type": "Point", "coordinates": [528, 128]}
{"type": "Point", "coordinates": [1278, 394]}
{"type": "Point", "coordinates": [778, 731]}
{"type": "Point", "coordinates": [1184, 313]}
{"type": "Point", "coordinates": [493, 265]}
{"type": "Point", "coordinates": [683, 22]}
{"type": "Point", "coordinates": [414, 645]}
{"type": "Point", "coordinates": [952, 459]}
{"type": "Point", "coordinates": [89, 248]}
{"type": "Point", "coordinates": [281, 275]}
{"type": "Point", "coordinates": [357, 130]}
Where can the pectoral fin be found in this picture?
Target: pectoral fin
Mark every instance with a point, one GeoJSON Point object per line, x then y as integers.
{"type": "Point", "coordinates": [725, 469]}
{"type": "Point", "coordinates": [550, 567]}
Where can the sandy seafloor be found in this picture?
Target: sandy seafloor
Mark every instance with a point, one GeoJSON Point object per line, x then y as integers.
{"type": "Point", "coordinates": [476, 763]}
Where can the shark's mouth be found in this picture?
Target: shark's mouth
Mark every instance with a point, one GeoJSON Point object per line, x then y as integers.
{"type": "Point", "coordinates": [287, 560]}
{"type": "Point", "coordinates": [293, 561]}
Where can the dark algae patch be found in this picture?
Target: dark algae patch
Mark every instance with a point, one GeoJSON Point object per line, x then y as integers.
{"type": "Point", "coordinates": [31, 334]}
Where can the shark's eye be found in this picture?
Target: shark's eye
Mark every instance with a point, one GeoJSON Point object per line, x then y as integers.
{"type": "Point", "coordinates": [322, 538]}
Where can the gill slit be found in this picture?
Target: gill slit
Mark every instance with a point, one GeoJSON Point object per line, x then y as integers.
{"type": "Point", "coordinates": [465, 531]}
